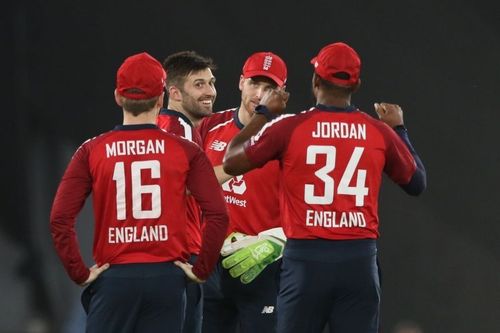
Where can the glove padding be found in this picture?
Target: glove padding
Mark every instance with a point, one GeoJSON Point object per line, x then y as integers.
{"type": "Point", "coordinates": [251, 254]}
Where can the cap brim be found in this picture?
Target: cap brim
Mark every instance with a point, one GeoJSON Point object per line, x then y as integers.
{"type": "Point", "coordinates": [273, 77]}
{"type": "Point", "coordinates": [313, 60]}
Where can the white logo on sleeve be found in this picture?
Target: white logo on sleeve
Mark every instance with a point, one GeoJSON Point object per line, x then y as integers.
{"type": "Point", "coordinates": [268, 309]}
{"type": "Point", "coordinates": [218, 145]}
{"type": "Point", "coordinates": [236, 185]}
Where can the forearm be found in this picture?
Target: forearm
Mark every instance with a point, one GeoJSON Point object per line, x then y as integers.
{"type": "Point", "coordinates": [235, 160]}
{"type": "Point", "coordinates": [68, 202]}
{"type": "Point", "coordinates": [418, 181]}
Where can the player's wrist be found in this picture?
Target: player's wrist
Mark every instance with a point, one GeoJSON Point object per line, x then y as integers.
{"type": "Point", "coordinates": [263, 110]}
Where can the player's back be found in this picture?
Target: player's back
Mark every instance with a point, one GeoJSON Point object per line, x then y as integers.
{"type": "Point", "coordinates": [139, 177]}
{"type": "Point", "coordinates": [332, 167]}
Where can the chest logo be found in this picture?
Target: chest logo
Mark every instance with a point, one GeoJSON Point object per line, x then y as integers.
{"type": "Point", "coordinates": [236, 185]}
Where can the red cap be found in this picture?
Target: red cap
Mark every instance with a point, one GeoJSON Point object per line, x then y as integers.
{"type": "Point", "coordinates": [266, 64]}
{"type": "Point", "coordinates": [140, 77]}
{"type": "Point", "coordinates": [338, 63]}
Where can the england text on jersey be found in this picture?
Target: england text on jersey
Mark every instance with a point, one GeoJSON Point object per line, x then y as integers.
{"type": "Point", "coordinates": [328, 219]}
{"type": "Point", "coordinates": [339, 130]}
{"type": "Point", "coordinates": [135, 147]}
{"type": "Point", "coordinates": [155, 233]}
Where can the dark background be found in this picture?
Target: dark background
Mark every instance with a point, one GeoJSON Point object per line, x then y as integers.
{"type": "Point", "coordinates": [437, 59]}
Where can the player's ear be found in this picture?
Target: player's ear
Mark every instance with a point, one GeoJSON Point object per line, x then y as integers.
{"type": "Point", "coordinates": [356, 86]}
{"type": "Point", "coordinates": [161, 99]}
{"type": "Point", "coordinates": [242, 82]}
{"type": "Point", "coordinates": [315, 81]}
{"type": "Point", "coordinates": [118, 99]}
{"type": "Point", "coordinates": [174, 93]}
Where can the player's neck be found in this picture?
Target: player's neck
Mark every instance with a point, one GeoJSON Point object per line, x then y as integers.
{"type": "Point", "coordinates": [336, 101]}
{"type": "Point", "coordinates": [174, 106]}
{"type": "Point", "coordinates": [143, 118]}
{"type": "Point", "coordinates": [243, 115]}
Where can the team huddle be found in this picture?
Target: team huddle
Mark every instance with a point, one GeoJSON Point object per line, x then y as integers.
{"type": "Point", "coordinates": [252, 219]}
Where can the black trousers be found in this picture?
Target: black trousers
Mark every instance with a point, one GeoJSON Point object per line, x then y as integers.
{"type": "Point", "coordinates": [136, 298]}
{"type": "Point", "coordinates": [231, 306]}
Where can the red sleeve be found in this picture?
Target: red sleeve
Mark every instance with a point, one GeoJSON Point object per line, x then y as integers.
{"type": "Point", "coordinates": [260, 149]}
{"type": "Point", "coordinates": [205, 188]}
{"type": "Point", "coordinates": [73, 190]}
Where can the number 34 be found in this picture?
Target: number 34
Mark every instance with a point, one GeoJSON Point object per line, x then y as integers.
{"type": "Point", "coordinates": [359, 191]}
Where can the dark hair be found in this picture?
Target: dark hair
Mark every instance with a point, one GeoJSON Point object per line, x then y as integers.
{"type": "Point", "coordinates": [138, 106]}
{"type": "Point", "coordinates": [179, 65]}
{"type": "Point", "coordinates": [335, 89]}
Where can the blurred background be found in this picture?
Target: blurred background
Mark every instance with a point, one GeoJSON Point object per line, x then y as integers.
{"type": "Point", "coordinates": [439, 60]}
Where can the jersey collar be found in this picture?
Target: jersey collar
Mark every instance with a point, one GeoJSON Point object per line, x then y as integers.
{"type": "Point", "coordinates": [237, 121]}
{"type": "Point", "coordinates": [331, 108]}
{"type": "Point", "coordinates": [134, 127]}
{"type": "Point", "coordinates": [178, 114]}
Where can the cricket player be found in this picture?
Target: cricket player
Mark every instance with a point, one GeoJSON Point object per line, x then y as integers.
{"type": "Point", "coordinates": [235, 296]}
{"type": "Point", "coordinates": [332, 158]}
{"type": "Point", "coordinates": [191, 94]}
{"type": "Point", "coordinates": [138, 175]}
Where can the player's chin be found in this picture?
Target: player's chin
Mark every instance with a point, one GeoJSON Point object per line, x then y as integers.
{"type": "Point", "coordinates": [205, 112]}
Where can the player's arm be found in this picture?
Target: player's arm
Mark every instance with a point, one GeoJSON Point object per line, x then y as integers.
{"type": "Point", "coordinates": [70, 197]}
{"type": "Point", "coordinates": [392, 115]}
{"type": "Point", "coordinates": [418, 181]}
{"type": "Point", "coordinates": [206, 190]}
{"type": "Point", "coordinates": [273, 103]}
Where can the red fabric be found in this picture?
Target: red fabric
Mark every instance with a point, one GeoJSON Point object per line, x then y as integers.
{"type": "Point", "coordinates": [140, 77]}
{"type": "Point", "coordinates": [314, 162]}
{"type": "Point", "coordinates": [253, 198]}
{"type": "Point", "coordinates": [150, 225]}
{"type": "Point", "coordinates": [338, 58]}
{"type": "Point", "coordinates": [266, 64]}
{"type": "Point", "coordinates": [174, 122]}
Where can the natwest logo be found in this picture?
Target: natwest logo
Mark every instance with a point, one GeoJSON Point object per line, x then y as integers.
{"type": "Point", "coordinates": [236, 185]}
{"type": "Point", "coordinates": [218, 145]}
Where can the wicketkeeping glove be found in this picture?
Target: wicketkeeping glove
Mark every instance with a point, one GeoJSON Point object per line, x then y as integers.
{"type": "Point", "coordinates": [251, 254]}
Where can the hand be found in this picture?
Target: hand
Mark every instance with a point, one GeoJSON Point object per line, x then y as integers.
{"type": "Point", "coordinates": [188, 270]}
{"type": "Point", "coordinates": [275, 100]}
{"type": "Point", "coordinates": [391, 114]}
{"type": "Point", "coordinates": [95, 271]}
{"type": "Point", "coordinates": [236, 241]}
{"type": "Point", "coordinates": [248, 262]}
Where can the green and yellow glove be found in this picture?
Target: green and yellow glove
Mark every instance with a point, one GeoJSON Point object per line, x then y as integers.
{"type": "Point", "coordinates": [249, 255]}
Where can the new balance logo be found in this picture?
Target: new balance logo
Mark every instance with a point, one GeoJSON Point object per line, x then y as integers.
{"type": "Point", "coordinates": [268, 61]}
{"type": "Point", "coordinates": [218, 145]}
{"type": "Point", "coordinates": [268, 309]}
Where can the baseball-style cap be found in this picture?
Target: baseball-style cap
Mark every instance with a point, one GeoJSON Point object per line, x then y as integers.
{"type": "Point", "coordinates": [338, 63]}
{"type": "Point", "coordinates": [266, 64]}
{"type": "Point", "coordinates": [140, 77]}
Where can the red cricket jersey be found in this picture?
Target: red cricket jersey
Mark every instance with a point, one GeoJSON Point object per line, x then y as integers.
{"type": "Point", "coordinates": [253, 198]}
{"type": "Point", "coordinates": [177, 123]}
{"type": "Point", "coordinates": [331, 168]}
{"type": "Point", "coordinates": [138, 176]}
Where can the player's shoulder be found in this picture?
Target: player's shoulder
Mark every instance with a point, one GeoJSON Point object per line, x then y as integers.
{"type": "Point", "coordinates": [290, 119]}
{"type": "Point", "coordinates": [217, 119]}
{"type": "Point", "coordinates": [93, 141]}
